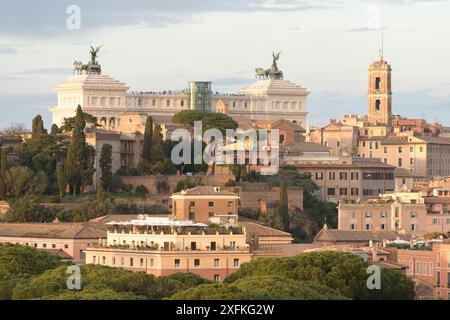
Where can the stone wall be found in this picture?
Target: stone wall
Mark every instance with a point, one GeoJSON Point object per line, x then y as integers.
{"type": "Point", "coordinates": [167, 184]}
{"type": "Point", "coordinates": [260, 196]}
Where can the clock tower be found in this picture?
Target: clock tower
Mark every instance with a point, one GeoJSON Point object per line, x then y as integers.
{"type": "Point", "coordinates": [380, 93]}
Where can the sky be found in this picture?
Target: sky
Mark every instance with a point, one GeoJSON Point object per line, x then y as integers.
{"type": "Point", "coordinates": [326, 45]}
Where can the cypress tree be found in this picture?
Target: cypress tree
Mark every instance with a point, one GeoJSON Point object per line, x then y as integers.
{"type": "Point", "coordinates": [106, 167]}
{"type": "Point", "coordinates": [148, 138]}
{"type": "Point", "coordinates": [157, 149]}
{"type": "Point", "coordinates": [55, 130]}
{"type": "Point", "coordinates": [75, 161]}
{"type": "Point", "coordinates": [61, 179]}
{"type": "Point", "coordinates": [101, 197]}
{"type": "Point", "coordinates": [37, 128]}
{"type": "Point", "coordinates": [283, 209]}
{"type": "Point", "coordinates": [3, 168]}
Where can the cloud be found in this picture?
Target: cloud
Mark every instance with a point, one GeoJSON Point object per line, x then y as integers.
{"type": "Point", "coordinates": [232, 81]}
{"type": "Point", "coordinates": [7, 50]}
{"type": "Point", "coordinates": [48, 17]}
{"type": "Point", "coordinates": [365, 29]}
{"type": "Point", "coordinates": [34, 72]}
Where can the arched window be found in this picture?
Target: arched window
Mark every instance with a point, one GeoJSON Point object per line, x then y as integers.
{"type": "Point", "coordinates": [378, 83]}
{"type": "Point", "coordinates": [378, 106]}
{"type": "Point", "coordinates": [281, 139]}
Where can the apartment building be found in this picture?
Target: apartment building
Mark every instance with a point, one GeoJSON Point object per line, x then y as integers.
{"type": "Point", "coordinates": [350, 178]}
{"type": "Point", "coordinates": [423, 155]}
{"type": "Point", "coordinates": [398, 211]}
{"type": "Point", "coordinates": [206, 204]}
{"type": "Point", "coordinates": [431, 265]}
{"type": "Point", "coordinates": [165, 245]}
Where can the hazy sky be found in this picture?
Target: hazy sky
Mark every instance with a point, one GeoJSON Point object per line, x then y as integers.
{"type": "Point", "coordinates": [326, 47]}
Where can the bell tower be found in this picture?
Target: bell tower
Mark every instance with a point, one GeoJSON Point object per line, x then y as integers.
{"type": "Point", "coordinates": [380, 93]}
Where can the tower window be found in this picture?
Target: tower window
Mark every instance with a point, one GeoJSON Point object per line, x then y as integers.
{"type": "Point", "coordinates": [378, 105]}
{"type": "Point", "coordinates": [378, 83]}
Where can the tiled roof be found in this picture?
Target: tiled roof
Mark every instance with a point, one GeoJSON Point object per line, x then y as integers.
{"type": "Point", "coordinates": [433, 200]}
{"type": "Point", "coordinates": [305, 147]}
{"type": "Point", "coordinates": [52, 230]}
{"type": "Point", "coordinates": [349, 165]}
{"type": "Point", "coordinates": [402, 172]}
{"type": "Point", "coordinates": [205, 191]}
{"type": "Point", "coordinates": [356, 235]}
{"type": "Point", "coordinates": [253, 227]}
{"type": "Point", "coordinates": [58, 252]}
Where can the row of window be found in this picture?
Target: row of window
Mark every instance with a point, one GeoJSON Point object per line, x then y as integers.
{"type": "Point", "coordinates": [43, 245]}
{"type": "Point", "coordinates": [383, 214]}
{"type": "Point", "coordinates": [210, 204]}
{"type": "Point", "coordinates": [343, 191]}
{"type": "Point", "coordinates": [150, 263]}
{"type": "Point", "coordinates": [354, 176]}
{"type": "Point", "coordinates": [421, 268]}
{"type": "Point", "coordinates": [383, 226]}
{"type": "Point", "coordinates": [368, 226]}
{"type": "Point", "coordinates": [375, 145]}
{"type": "Point", "coordinates": [437, 222]}
{"type": "Point", "coordinates": [213, 245]}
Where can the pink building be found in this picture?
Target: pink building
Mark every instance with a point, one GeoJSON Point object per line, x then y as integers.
{"type": "Point", "coordinates": [430, 266]}
{"type": "Point", "coordinates": [399, 211]}
{"type": "Point", "coordinates": [68, 240]}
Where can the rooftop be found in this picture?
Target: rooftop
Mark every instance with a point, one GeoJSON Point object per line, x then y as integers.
{"type": "Point", "coordinates": [52, 230]}
{"type": "Point", "coordinates": [205, 191]}
{"type": "Point", "coordinates": [357, 235]}
{"type": "Point", "coordinates": [157, 222]}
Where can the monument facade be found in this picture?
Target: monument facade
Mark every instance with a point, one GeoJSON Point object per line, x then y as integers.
{"type": "Point", "coordinates": [269, 98]}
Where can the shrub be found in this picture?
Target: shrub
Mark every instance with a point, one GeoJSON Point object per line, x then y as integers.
{"type": "Point", "coordinates": [142, 191]}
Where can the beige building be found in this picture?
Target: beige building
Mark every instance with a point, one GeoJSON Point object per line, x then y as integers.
{"type": "Point", "coordinates": [164, 246]}
{"type": "Point", "coordinates": [410, 144]}
{"type": "Point", "coordinates": [106, 98]}
{"type": "Point", "coordinates": [349, 178]}
{"type": "Point", "coordinates": [340, 138]}
{"type": "Point", "coordinates": [422, 155]}
{"type": "Point", "coordinates": [206, 204]}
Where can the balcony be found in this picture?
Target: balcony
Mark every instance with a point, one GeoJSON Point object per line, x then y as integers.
{"type": "Point", "coordinates": [156, 248]}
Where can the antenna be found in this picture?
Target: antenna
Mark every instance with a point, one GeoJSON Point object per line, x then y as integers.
{"type": "Point", "coordinates": [382, 46]}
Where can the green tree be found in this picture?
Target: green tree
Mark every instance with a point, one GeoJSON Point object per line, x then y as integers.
{"type": "Point", "coordinates": [210, 120]}
{"type": "Point", "coordinates": [341, 271]}
{"type": "Point", "coordinates": [106, 167]}
{"type": "Point", "coordinates": [79, 165]}
{"type": "Point", "coordinates": [148, 137]}
{"type": "Point", "coordinates": [100, 282]}
{"type": "Point", "coordinates": [18, 263]}
{"type": "Point", "coordinates": [21, 181]}
{"type": "Point", "coordinates": [26, 209]}
{"type": "Point", "coordinates": [141, 191]}
{"type": "Point", "coordinates": [61, 178]}
{"type": "Point", "coordinates": [218, 121]}
{"type": "Point", "coordinates": [157, 147]}
{"type": "Point", "coordinates": [260, 288]}
{"type": "Point", "coordinates": [100, 196]}
{"type": "Point", "coordinates": [187, 118]}
{"type": "Point", "coordinates": [54, 130]}
{"type": "Point", "coordinates": [69, 123]}
{"type": "Point", "coordinates": [283, 209]}
{"type": "Point", "coordinates": [39, 153]}
{"type": "Point", "coordinates": [3, 171]}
